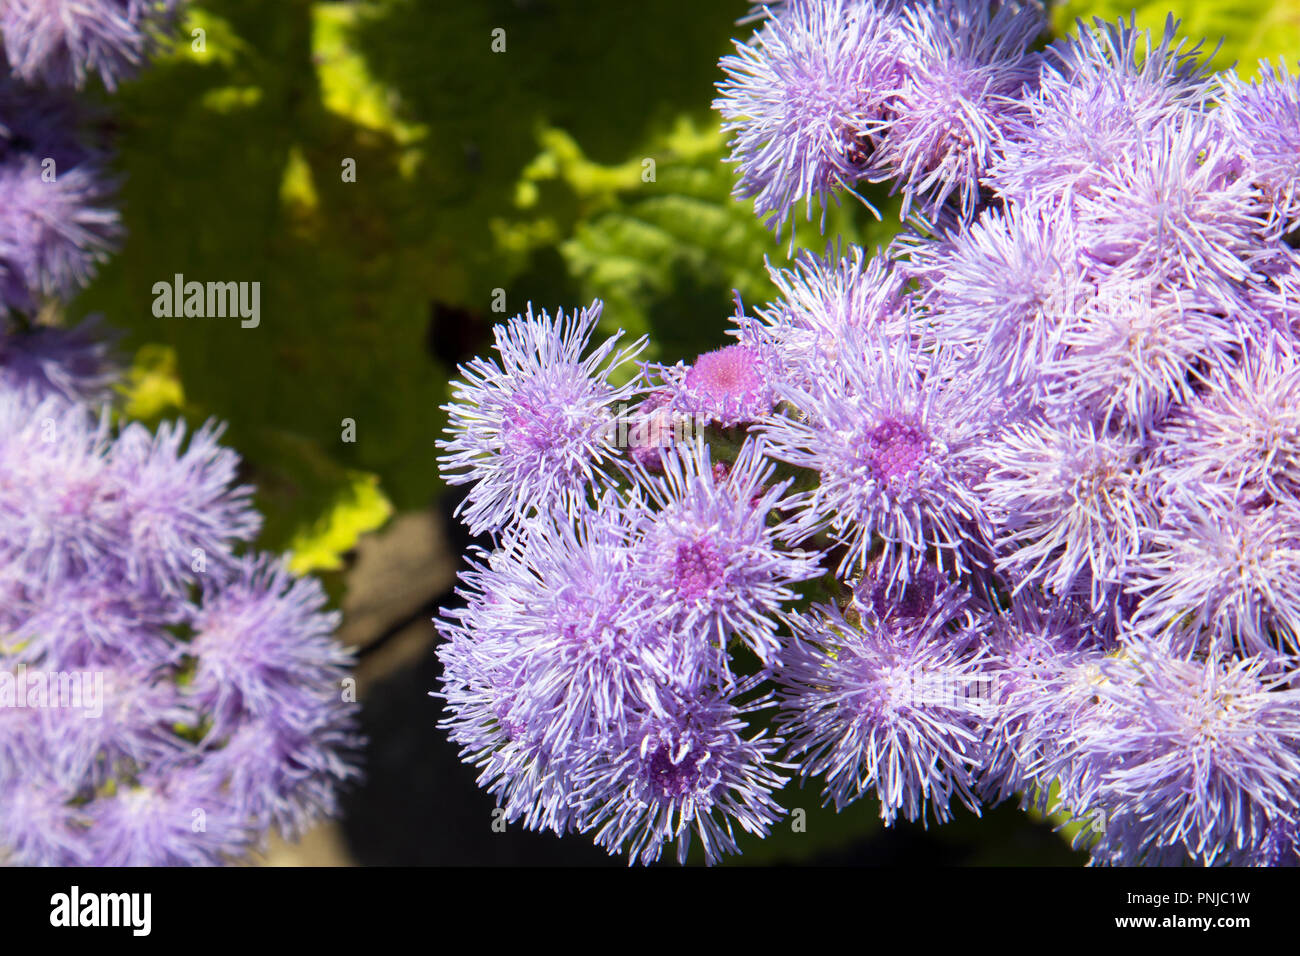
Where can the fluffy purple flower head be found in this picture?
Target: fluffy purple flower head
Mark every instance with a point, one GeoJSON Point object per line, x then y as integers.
{"type": "Point", "coordinates": [58, 515]}
{"type": "Point", "coordinates": [566, 617]}
{"type": "Point", "coordinates": [284, 771]}
{"type": "Point", "coordinates": [820, 300]}
{"type": "Point", "coordinates": [891, 448]}
{"type": "Point", "coordinates": [1176, 206]}
{"type": "Point", "coordinates": [81, 621]}
{"type": "Point", "coordinates": [1002, 291]}
{"type": "Point", "coordinates": [181, 509]}
{"type": "Point", "coordinates": [488, 713]}
{"type": "Point", "coordinates": [894, 707]}
{"type": "Point", "coordinates": [1232, 572]}
{"type": "Point", "coordinates": [1262, 118]}
{"type": "Point", "coordinates": [1073, 505]}
{"type": "Point", "coordinates": [134, 728]}
{"type": "Point", "coordinates": [1193, 757]}
{"type": "Point", "coordinates": [1137, 349]}
{"type": "Point", "coordinates": [581, 676]}
{"type": "Point", "coordinates": [802, 98]}
{"type": "Point", "coordinates": [55, 222]}
{"type": "Point", "coordinates": [39, 825]}
{"type": "Point", "coordinates": [1043, 665]}
{"type": "Point", "coordinates": [710, 553]}
{"type": "Point", "coordinates": [1241, 434]}
{"type": "Point", "coordinates": [61, 42]}
{"type": "Point", "coordinates": [689, 771]}
{"type": "Point", "coordinates": [965, 68]}
{"type": "Point", "coordinates": [179, 819]}
{"type": "Point", "coordinates": [264, 648]}
{"type": "Point", "coordinates": [533, 429]}
{"type": "Point", "coordinates": [1100, 95]}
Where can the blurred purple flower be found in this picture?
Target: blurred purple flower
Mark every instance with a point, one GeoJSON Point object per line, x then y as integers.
{"type": "Point", "coordinates": [61, 42]}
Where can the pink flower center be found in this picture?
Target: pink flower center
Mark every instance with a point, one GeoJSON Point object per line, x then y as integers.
{"type": "Point", "coordinates": [533, 425]}
{"type": "Point", "coordinates": [732, 370]}
{"type": "Point", "coordinates": [896, 450]}
{"type": "Point", "coordinates": [698, 569]}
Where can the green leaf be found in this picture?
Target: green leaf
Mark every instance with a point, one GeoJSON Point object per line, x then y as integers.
{"type": "Point", "coordinates": [153, 387]}
{"type": "Point", "coordinates": [315, 509]}
{"type": "Point", "coordinates": [665, 254]}
{"type": "Point", "coordinates": [359, 507]}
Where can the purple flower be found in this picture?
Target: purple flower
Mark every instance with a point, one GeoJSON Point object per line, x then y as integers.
{"type": "Point", "coordinates": [139, 711]}
{"type": "Point", "coordinates": [965, 66]}
{"type": "Point", "coordinates": [534, 429]}
{"type": "Point", "coordinates": [264, 647]}
{"type": "Point", "coordinates": [181, 511]}
{"type": "Point", "coordinates": [688, 771]}
{"type": "Point", "coordinates": [489, 716]}
{"type": "Point", "coordinates": [1262, 118]}
{"type": "Point", "coordinates": [560, 612]}
{"type": "Point", "coordinates": [88, 620]}
{"type": "Point", "coordinates": [802, 99]}
{"type": "Point", "coordinates": [1194, 758]}
{"type": "Point", "coordinates": [1044, 664]}
{"type": "Point", "coordinates": [284, 771]}
{"type": "Point", "coordinates": [1230, 570]}
{"type": "Point", "coordinates": [1045, 442]}
{"type": "Point", "coordinates": [821, 299]}
{"type": "Point", "coordinates": [60, 42]}
{"type": "Point", "coordinates": [56, 225]}
{"type": "Point", "coordinates": [1177, 207]}
{"type": "Point", "coordinates": [176, 820]}
{"type": "Point", "coordinates": [74, 499]}
{"type": "Point", "coordinates": [1003, 290]}
{"type": "Point", "coordinates": [891, 449]}
{"type": "Point", "coordinates": [58, 514]}
{"type": "Point", "coordinates": [1241, 434]}
{"type": "Point", "coordinates": [709, 553]}
{"type": "Point", "coordinates": [39, 823]}
{"type": "Point", "coordinates": [1137, 349]}
{"type": "Point", "coordinates": [1100, 95]}
{"type": "Point", "coordinates": [1074, 504]}
{"type": "Point", "coordinates": [897, 707]}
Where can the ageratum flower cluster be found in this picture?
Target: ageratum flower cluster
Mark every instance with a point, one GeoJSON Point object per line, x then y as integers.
{"type": "Point", "coordinates": [1008, 511]}
{"type": "Point", "coordinates": [168, 696]}
{"type": "Point", "coordinates": [165, 697]}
